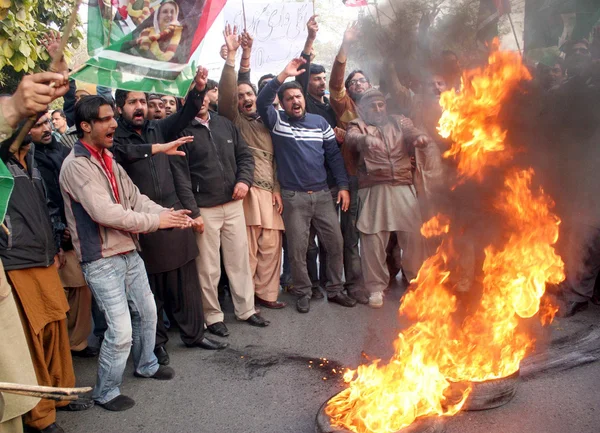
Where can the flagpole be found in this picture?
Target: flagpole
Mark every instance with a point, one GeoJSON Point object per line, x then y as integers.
{"type": "Point", "coordinates": [514, 33]}
{"type": "Point", "coordinates": [314, 7]}
{"type": "Point", "coordinates": [58, 55]}
{"type": "Point", "coordinates": [244, 13]}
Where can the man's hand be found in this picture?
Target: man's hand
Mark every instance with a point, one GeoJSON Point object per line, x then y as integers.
{"type": "Point", "coordinates": [223, 52]}
{"type": "Point", "coordinates": [201, 78]}
{"type": "Point", "coordinates": [51, 41]}
{"type": "Point", "coordinates": [351, 34]}
{"type": "Point", "coordinates": [375, 143]}
{"type": "Point", "coordinates": [278, 202]}
{"type": "Point", "coordinates": [175, 219]}
{"type": "Point", "coordinates": [66, 237]}
{"type": "Point", "coordinates": [232, 39]}
{"type": "Point", "coordinates": [291, 70]}
{"type": "Point", "coordinates": [344, 199]}
{"type": "Point", "coordinates": [240, 191]}
{"type": "Point", "coordinates": [60, 260]}
{"type": "Point", "coordinates": [247, 41]}
{"type": "Point", "coordinates": [313, 27]}
{"type": "Point", "coordinates": [198, 224]}
{"type": "Point", "coordinates": [421, 141]}
{"type": "Point", "coordinates": [340, 134]}
{"type": "Point", "coordinates": [171, 147]}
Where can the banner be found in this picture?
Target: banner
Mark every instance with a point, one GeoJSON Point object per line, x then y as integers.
{"type": "Point", "coordinates": [487, 20]}
{"type": "Point", "coordinates": [355, 3]}
{"type": "Point", "coordinates": [146, 45]}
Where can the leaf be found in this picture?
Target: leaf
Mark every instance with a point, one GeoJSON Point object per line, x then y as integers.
{"type": "Point", "coordinates": [19, 62]}
{"type": "Point", "coordinates": [3, 14]}
{"type": "Point", "coordinates": [24, 48]}
{"type": "Point", "coordinates": [30, 63]}
{"type": "Point", "coordinates": [4, 4]}
{"type": "Point", "coordinates": [8, 51]}
{"type": "Point", "coordinates": [21, 14]}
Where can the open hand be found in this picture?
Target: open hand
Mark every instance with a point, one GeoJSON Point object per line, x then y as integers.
{"type": "Point", "coordinates": [291, 70]}
{"type": "Point", "coordinates": [232, 39]}
{"type": "Point", "coordinates": [171, 147]}
{"type": "Point", "coordinates": [352, 33]}
{"type": "Point", "coordinates": [175, 219]}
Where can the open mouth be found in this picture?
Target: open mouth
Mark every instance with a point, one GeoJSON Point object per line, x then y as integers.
{"type": "Point", "coordinates": [110, 135]}
{"type": "Point", "coordinates": [296, 109]}
{"type": "Point", "coordinates": [248, 106]}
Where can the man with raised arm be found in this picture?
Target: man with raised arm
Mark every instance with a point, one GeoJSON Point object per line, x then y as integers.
{"type": "Point", "coordinates": [303, 142]}
{"type": "Point", "coordinates": [105, 213]}
{"type": "Point", "coordinates": [262, 204]}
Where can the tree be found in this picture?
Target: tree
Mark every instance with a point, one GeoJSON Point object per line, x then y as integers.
{"type": "Point", "coordinates": [24, 23]}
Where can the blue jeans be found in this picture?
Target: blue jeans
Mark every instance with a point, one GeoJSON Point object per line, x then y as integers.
{"type": "Point", "coordinates": [120, 287]}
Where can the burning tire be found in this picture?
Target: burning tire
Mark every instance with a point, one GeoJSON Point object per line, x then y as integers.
{"type": "Point", "coordinates": [424, 425]}
{"type": "Point", "coordinates": [491, 393]}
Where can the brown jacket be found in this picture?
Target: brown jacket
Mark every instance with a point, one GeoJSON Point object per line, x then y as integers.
{"type": "Point", "coordinates": [254, 132]}
{"type": "Point", "coordinates": [101, 227]}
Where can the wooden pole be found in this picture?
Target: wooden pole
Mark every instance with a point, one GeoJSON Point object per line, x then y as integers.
{"type": "Point", "coordinates": [43, 391]}
{"type": "Point", "coordinates": [514, 33]}
{"type": "Point", "coordinates": [55, 61]}
{"type": "Point", "coordinates": [314, 7]}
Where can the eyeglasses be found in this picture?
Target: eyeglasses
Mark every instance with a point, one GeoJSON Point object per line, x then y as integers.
{"type": "Point", "coordinates": [355, 82]}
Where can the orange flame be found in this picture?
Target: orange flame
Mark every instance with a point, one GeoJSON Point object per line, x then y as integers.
{"type": "Point", "coordinates": [440, 349]}
{"type": "Point", "coordinates": [436, 226]}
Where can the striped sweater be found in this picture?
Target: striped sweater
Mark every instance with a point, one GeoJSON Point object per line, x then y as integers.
{"type": "Point", "coordinates": [302, 146]}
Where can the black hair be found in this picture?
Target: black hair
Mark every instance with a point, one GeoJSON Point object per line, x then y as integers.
{"type": "Point", "coordinates": [316, 69]}
{"type": "Point", "coordinates": [261, 80]}
{"type": "Point", "coordinates": [151, 96]}
{"type": "Point", "coordinates": [61, 112]}
{"type": "Point", "coordinates": [121, 96]}
{"type": "Point", "coordinates": [252, 86]}
{"type": "Point", "coordinates": [211, 84]}
{"type": "Point", "coordinates": [351, 75]}
{"type": "Point", "coordinates": [287, 86]}
{"type": "Point", "coordinates": [88, 109]}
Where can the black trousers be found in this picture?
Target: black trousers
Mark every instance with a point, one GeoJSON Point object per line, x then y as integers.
{"type": "Point", "coordinates": [178, 292]}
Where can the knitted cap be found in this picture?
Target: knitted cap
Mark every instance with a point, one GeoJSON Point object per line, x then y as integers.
{"type": "Point", "coordinates": [370, 95]}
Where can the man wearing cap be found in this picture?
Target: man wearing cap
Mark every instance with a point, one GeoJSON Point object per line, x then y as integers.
{"type": "Point", "coordinates": [382, 146]}
{"type": "Point", "coordinates": [156, 107]}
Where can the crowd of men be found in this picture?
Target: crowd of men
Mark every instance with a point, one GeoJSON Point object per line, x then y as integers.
{"type": "Point", "coordinates": [132, 210]}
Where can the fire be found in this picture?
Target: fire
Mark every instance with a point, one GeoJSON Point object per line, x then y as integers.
{"type": "Point", "coordinates": [448, 343]}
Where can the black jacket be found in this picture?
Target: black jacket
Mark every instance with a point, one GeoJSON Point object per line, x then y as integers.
{"type": "Point", "coordinates": [30, 243]}
{"type": "Point", "coordinates": [215, 161]}
{"type": "Point", "coordinates": [49, 159]}
{"type": "Point", "coordinates": [164, 250]}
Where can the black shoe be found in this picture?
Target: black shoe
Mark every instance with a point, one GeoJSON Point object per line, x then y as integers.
{"type": "Point", "coordinates": [359, 296]}
{"type": "Point", "coordinates": [209, 344]}
{"type": "Point", "coordinates": [342, 299]}
{"type": "Point", "coordinates": [572, 308]}
{"type": "Point", "coordinates": [316, 293]}
{"type": "Point", "coordinates": [162, 355]}
{"type": "Point", "coordinates": [88, 352]}
{"type": "Point", "coordinates": [81, 403]}
{"type": "Point", "coordinates": [219, 329]}
{"type": "Point", "coordinates": [258, 321]}
{"type": "Point", "coordinates": [163, 373]}
{"type": "Point", "coordinates": [303, 304]}
{"type": "Point", "coordinates": [52, 428]}
{"type": "Point", "coordinates": [118, 404]}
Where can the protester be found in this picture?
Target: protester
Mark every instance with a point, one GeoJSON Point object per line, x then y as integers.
{"type": "Point", "coordinates": [262, 204]}
{"type": "Point", "coordinates": [103, 209]}
{"type": "Point", "coordinates": [59, 122]}
{"type": "Point", "coordinates": [303, 143]}
{"type": "Point", "coordinates": [212, 180]}
{"type": "Point", "coordinates": [212, 91]}
{"type": "Point", "coordinates": [169, 256]}
{"type": "Point", "coordinates": [315, 85]}
{"type": "Point", "coordinates": [156, 107]}
{"type": "Point", "coordinates": [172, 104]}
{"type": "Point", "coordinates": [550, 73]}
{"type": "Point", "coordinates": [388, 197]}
{"type": "Point", "coordinates": [33, 95]}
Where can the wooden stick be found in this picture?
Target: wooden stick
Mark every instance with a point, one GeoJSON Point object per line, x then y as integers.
{"type": "Point", "coordinates": [55, 61]}
{"type": "Point", "coordinates": [43, 391]}
{"type": "Point", "coordinates": [314, 8]}
{"type": "Point", "coordinates": [45, 395]}
{"type": "Point", "coordinates": [244, 14]}
{"type": "Point", "coordinates": [514, 33]}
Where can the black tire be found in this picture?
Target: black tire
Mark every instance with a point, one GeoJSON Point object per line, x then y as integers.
{"type": "Point", "coordinates": [491, 393]}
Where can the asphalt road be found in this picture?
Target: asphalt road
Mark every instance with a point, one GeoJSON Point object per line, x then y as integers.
{"type": "Point", "coordinates": [265, 382]}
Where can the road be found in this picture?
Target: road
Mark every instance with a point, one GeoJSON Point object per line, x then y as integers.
{"type": "Point", "coordinates": [265, 382]}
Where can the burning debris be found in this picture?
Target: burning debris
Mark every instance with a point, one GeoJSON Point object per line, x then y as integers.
{"type": "Point", "coordinates": [449, 350]}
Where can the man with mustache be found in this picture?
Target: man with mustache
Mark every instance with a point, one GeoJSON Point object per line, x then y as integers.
{"type": "Point", "coordinates": [169, 256]}
{"type": "Point", "coordinates": [156, 107]}
{"type": "Point", "coordinates": [303, 143]}
{"type": "Point", "coordinates": [315, 85]}
{"type": "Point", "coordinates": [172, 104]}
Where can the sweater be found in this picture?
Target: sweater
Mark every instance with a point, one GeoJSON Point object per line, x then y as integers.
{"type": "Point", "coordinates": [302, 146]}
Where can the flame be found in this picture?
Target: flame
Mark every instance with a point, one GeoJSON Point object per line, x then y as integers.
{"type": "Point", "coordinates": [436, 226]}
{"type": "Point", "coordinates": [443, 347]}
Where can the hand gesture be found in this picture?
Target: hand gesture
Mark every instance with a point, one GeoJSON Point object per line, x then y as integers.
{"type": "Point", "coordinates": [421, 141]}
{"type": "Point", "coordinates": [278, 202]}
{"type": "Point", "coordinates": [352, 33]}
{"type": "Point", "coordinates": [171, 148]}
{"type": "Point", "coordinates": [198, 224]}
{"type": "Point", "coordinates": [291, 70]}
{"type": "Point", "coordinates": [344, 198]}
{"type": "Point", "coordinates": [201, 78]}
{"type": "Point", "coordinates": [223, 52]}
{"type": "Point", "coordinates": [375, 143]}
{"type": "Point", "coordinates": [232, 39]}
{"type": "Point", "coordinates": [312, 27]}
{"type": "Point", "coordinates": [240, 191]}
{"type": "Point", "coordinates": [51, 41]}
{"type": "Point", "coordinates": [175, 219]}
{"type": "Point", "coordinates": [247, 41]}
